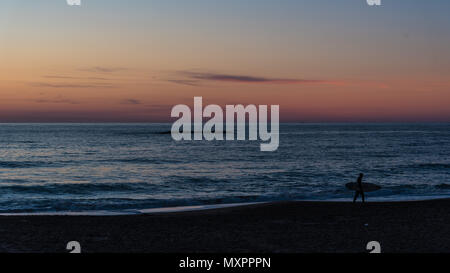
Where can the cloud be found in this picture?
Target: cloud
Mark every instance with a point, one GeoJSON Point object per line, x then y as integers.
{"type": "Point", "coordinates": [72, 85]}
{"type": "Point", "coordinates": [69, 81]}
{"type": "Point", "coordinates": [184, 82]}
{"type": "Point", "coordinates": [131, 102]}
{"type": "Point", "coordinates": [103, 69]}
{"type": "Point", "coordinates": [162, 107]}
{"type": "Point", "coordinates": [56, 101]}
{"type": "Point", "coordinates": [75, 78]}
{"type": "Point", "coordinates": [195, 78]}
{"type": "Point", "coordinates": [59, 99]}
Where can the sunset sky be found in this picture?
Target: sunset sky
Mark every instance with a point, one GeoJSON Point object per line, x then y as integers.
{"type": "Point", "coordinates": [131, 61]}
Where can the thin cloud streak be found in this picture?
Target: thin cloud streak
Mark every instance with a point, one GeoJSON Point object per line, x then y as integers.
{"type": "Point", "coordinates": [131, 102]}
{"type": "Point", "coordinates": [195, 79]}
{"type": "Point", "coordinates": [75, 78]}
{"type": "Point", "coordinates": [104, 69]}
{"type": "Point", "coordinates": [56, 101]}
{"type": "Point", "coordinates": [71, 85]}
{"type": "Point", "coordinates": [184, 82]}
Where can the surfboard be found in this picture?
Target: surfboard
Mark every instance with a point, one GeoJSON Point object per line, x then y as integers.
{"type": "Point", "coordinates": [367, 187]}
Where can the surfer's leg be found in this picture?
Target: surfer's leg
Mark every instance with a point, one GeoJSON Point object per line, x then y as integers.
{"type": "Point", "coordinates": [356, 196]}
{"type": "Point", "coordinates": [362, 196]}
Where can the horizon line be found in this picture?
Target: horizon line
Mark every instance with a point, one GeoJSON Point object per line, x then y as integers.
{"type": "Point", "coordinates": [169, 122]}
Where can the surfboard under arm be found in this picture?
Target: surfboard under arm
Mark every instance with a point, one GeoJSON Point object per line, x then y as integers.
{"type": "Point", "coordinates": [367, 187]}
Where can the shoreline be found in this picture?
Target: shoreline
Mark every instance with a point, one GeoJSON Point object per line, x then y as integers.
{"type": "Point", "coordinates": [160, 210]}
{"type": "Point", "coordinates": [188, 208]}
{"type": "Point", "coordinates": [280, 227]}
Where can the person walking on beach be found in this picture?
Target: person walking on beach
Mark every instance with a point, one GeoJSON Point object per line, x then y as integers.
{"type": "Point", "coordinates": [360, 189]}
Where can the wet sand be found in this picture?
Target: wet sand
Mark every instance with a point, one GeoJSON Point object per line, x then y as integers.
{"type": "Point", "coordinates": [283, 227]}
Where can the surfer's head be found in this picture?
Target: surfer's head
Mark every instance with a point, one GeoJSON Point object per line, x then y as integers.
{"type": "Point", "coordinates": [361, 175]}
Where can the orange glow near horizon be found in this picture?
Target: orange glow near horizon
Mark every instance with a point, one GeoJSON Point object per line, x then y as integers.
{"type": "Point", "coordinates": [117, 65]}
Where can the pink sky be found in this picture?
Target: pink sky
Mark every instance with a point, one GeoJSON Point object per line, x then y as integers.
{"type": "Point", "coordinates": [133, 63]}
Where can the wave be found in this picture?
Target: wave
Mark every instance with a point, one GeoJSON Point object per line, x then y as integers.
{"type": "Point", "coordinates": [146, 208]}
{"type": "Point", "coordinates": [140, 160]}
{"type": "Point", "coordinates": [157, 133]}
{"type": "Point", "coordinates": [443, 186]}
{"type": "Point", "coordinates": [25, 164]}
{"type": "Point", "coordinates": [433, 165]}
{"type": "Point", "coordinates": [68, 188]}
{"type": "Point", "coordinates": [420, 166]}
{"type": "Point", "coordinates": [133, 211]}
{"type": "Point", "coordinates": [142, 133]}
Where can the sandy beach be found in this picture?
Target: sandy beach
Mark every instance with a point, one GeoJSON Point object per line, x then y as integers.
{"type": "Point", "coordinates": [282, 227]}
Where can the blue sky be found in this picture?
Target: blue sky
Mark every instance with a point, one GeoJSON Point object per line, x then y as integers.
{"type": "Point", "coordinates": [394, 57]}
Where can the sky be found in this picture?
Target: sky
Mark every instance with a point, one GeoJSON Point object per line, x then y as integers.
{"type": "Point", "coordinates": [132, 61]}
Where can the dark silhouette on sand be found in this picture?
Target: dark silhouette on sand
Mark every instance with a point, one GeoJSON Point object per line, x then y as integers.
{"type": "Point", "coordinates": [360, 190]}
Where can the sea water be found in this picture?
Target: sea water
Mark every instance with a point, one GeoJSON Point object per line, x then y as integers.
{"type": "Point", "coordinates": [126, 167]}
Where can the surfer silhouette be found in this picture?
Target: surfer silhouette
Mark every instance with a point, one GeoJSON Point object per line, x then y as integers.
{"type": "Point", "coordinates": [359, 190]}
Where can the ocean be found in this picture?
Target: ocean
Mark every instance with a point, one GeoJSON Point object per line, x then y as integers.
{"type": "Point", "coordinates": [59, 168]}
